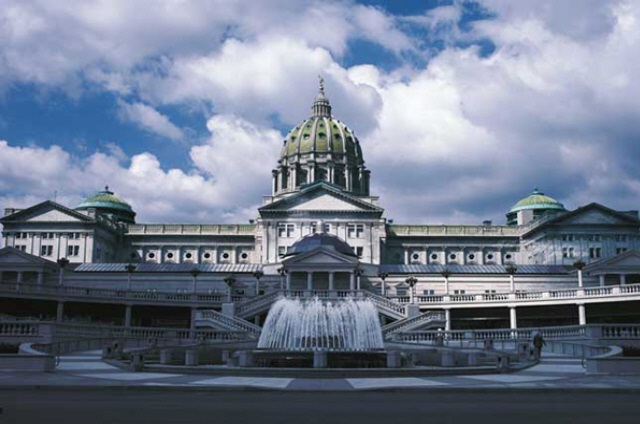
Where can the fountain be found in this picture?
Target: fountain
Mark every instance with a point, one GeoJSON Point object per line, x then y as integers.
{"type": "Point", "coordinates": [340, 333]}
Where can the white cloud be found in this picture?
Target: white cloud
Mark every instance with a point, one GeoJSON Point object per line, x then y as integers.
{"type": "Point", "coordinates": [230, 174]}
{"type": "Point", "coordinates": [149, 119]}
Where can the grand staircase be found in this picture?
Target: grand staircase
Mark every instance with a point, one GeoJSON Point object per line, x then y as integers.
{"type": "Point", "coordinates": [214, 319]}
{"type": "Point", "coordinates": [257, 305]}
{"type": "Point", "coordinates": [427, 320]}
{"type": "Point", "coordinates": [387, 307]}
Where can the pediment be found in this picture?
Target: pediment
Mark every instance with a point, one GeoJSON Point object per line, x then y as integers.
{"type": "Point", "coordinates": [321, 256]}
{"type": "Point", "coordinates": [321, 198]}
{"type": "Point", "coordinates": [47, 211]}
{"type": "Point", "coordinates": [10, 255]}
{"type": "Point", "coordinates": [629, 260]}
{"type": "Point", "coordinates": [595, 214]}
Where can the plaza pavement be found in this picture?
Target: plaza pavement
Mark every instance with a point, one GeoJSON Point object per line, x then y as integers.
{"type": "Point", "coordinates": [87, 370]}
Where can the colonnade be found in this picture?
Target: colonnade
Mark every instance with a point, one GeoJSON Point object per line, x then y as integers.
{"type": "Point", "coordinates": [354, 279]}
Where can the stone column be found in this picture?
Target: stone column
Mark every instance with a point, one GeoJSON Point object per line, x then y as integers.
{"type": "Point", "coordinates": [512, 283]}
{"type": "Point", "coordinates": [406, 256]}
{"type": "Point", "coordinates": [60, 312]}
{"type": "Point", "coordinates": [582, 314]}
{"type": "Point", "coordinates": [446, 286]}
{"type": "Point", "coordinates": [192, 324]}
{"type": "Point", "coordinates": [580, 283]}
{"type": "Point", "coordinates": [513, 320]}
{"type": "Point", "coordinates": [352, 281]}
{"type": "Point", "coordinates": [447, 319]}
{"type": "Point", "coordinates": [601, 280]}
{"type": "Point", "coordinates": [331, 287]}
{"type": "Point", "coordinates": [274, 182]}
{"type": "Point", "coordinates": [288, 287]}
{"type": "Point", "coordinates": [40, 278]}
{"type": "Point", "coordinates": [309, 280]}
{"type": "Point", "coordinates": [127, 316]}
{"type": "Point", "coordinates": [20, 276]}
{"type": "Point", "coordinates": [623, 279]}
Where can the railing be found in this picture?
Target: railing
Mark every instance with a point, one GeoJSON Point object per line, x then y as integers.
{"type": "Point", "coordinates": [19, 328]}
{"type": "Point", "coordinates": [409, 323]}
{"type": "Point", "coordinates": [394, 306]}
{"type": "Point", "coordinates": [150, 295]}
{"type": "Point", "coordinates": [231, 323]}
{"type": "Point", "coordinates": [391, 307]}
{"type": "Point", "coordinates": [257, 304]}
{"type": "Point", "coordinates": [454, 230]}
{"type": "Point", "coordinates": [187, 229]}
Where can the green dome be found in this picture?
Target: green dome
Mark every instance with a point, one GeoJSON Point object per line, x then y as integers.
{"type": "Point", "coordinates": [107, 202]}
{"type": "Point", "coordinates": [537, 200]}
{"type": "Point", "coordinates": [322, 134]}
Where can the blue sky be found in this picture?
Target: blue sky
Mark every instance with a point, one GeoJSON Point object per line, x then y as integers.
{"type": "Point", "coordinates": [461, 107]}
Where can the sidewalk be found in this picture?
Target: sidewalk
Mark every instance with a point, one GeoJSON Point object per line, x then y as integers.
{"type": "Point", "coordinates": [86, 369]}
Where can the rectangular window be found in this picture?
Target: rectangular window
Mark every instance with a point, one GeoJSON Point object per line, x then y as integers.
{"type": "Point", "coordinates": [355, 230]}
{"type": "Point", "coordinates": [567, 252]}
{"type": "Point", "coordinates": [282, 250]}
{"type": "Point", "coordinates": [489, 292]}
{"type": "Point", "coordinates": [46, 250]}
{"type": "Point", "coordinates": [428, 292]}
{"type": "Point", "coordinates": [286, 230]}
{"type": "Point", "coordinates": [313, 227]}
{"type": "Point", "coordinates": [21, 247]}
{"type": "Point", "coordinates": [401, 292]}
{"type": "Point", "coordinates": [621, 237]}
{"type": "Point", "coordinates": [73, 250]}
{"type": "Point", "coordinates": [459, 292]}
{"type": "Point", "coordinates": [620, 250]}
{"type": "Point", "coordinates": [359, 250]}
{"type": "Point", "coordinates": [595, 252]}
{"type": "Point", "coordinates": [568, 237]}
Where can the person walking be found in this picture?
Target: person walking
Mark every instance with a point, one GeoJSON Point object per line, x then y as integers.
{"type": "Point", "coordinates": [538, 342]}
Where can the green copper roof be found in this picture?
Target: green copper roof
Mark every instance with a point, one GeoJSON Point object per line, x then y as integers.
{"type": "Point", "coordinates": [321, 134]}
{"type": "Point", "coordinates": [537, 200]}
{"type": "Point", "coordinates": [106, 201]}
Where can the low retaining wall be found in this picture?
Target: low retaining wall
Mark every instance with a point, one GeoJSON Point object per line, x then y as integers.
{"type": "Point", "coordinates": [27, 359]}
{"type": "Point", "coordinates": [613, 363]}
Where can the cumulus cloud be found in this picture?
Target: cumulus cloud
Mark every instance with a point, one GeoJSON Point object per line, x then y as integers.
{"type": "Point", "coordinates": [149, 119]}
{"type": "Point", "coordinates": [458, 140]}
{"type": "Point", "coordinates": [230, 173]}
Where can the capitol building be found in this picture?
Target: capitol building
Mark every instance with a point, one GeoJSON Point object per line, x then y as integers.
{"type": "Point", "coordinates": [321, 230]}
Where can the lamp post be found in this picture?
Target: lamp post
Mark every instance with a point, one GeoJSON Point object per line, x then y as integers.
{"type": "Point", "coordinates": [130, 268]}
{"type": "Point", "coordinates": [579, 264]}
{"type": "Point", "coordinates": [446, 274]}
{"type": "Point", "coordinates": [282, 271]}
{"type": "Point", "coordinates": [357, 272]}
{"type": "Point", "coordinates": [511, 270]}
{"type": "Point", "coordinates": [258, 274]}
{"type": "Point", "coordinates": [411, 281]}
{"type": "Point", "coordinates": [62, 262]}
{"type": "Point", "coordinates": [194, 273]}
{"type": "Point", "coordinates": [229, 281]}
{"type": "Point", "coordinates": [383, 276]}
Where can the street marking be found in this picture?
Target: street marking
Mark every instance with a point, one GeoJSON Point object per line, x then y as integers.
{"type": "Point", "coordinates": [129, 376]}
{"type": "Point", "coordinates": [245, 381]}
{"type": "Point", "coordinates": [510, 378]}
{"type": "Point", "coordinates": [369, 383]}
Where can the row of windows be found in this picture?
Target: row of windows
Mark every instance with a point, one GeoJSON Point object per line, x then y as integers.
{"type": "Point", "coordinates": [594, 237]}
{"type": "Point", "coordinates": [457, 256]}
{"type": "Point", "coordinates": [24, 235]}
{"type": "Point", "coordinates": [286, 230]}
{"type": "Point", "coordinates": [190, 256]}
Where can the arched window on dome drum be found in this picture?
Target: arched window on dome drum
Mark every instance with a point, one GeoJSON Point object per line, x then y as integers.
{"type": "Point", "coordinates": [301, 176]}
{"type": "Point", "coordinates": [321, 174]}
{"type": "Point", "coordinates": [285, 178]}
{"type": "Point", "coordinates": [338, 177]}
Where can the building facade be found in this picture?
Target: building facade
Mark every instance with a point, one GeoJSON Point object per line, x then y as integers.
{"type": "Point", "coordinates": [320, 185]}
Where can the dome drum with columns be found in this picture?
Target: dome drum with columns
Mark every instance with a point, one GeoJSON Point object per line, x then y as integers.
{"type": "Point", "coordinates": [321, 148]}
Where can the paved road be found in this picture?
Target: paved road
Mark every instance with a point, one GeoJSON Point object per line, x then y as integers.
{"type": "Point", "coordinates": [118, 406]}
